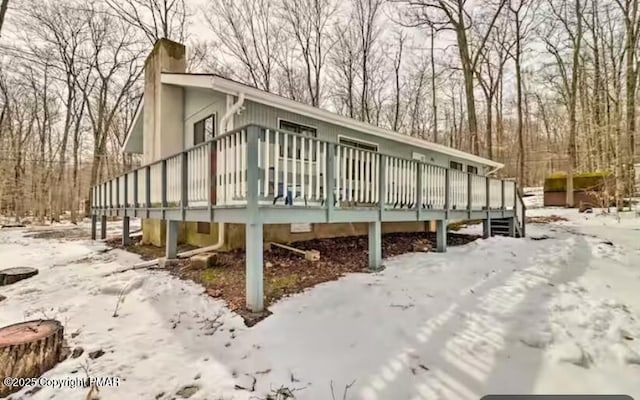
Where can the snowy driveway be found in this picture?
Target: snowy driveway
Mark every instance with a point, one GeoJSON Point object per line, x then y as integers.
{"type": "Point", "coordinates": [560, 315]}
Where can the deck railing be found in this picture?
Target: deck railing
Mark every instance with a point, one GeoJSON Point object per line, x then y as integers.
{"type": "Point", "coordinates": [299, 171]}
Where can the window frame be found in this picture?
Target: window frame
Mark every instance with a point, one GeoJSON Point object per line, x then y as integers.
{"type": "Point", "coordinates": [298, 155]}
{"type": "Point", "coordinates": [203, 120]}
{"type": "Point", "coordinates": [358, 141]}
{"type": "Point", "coordinates": [451, 165]}
{"type": "Point", "coordinates": [472, 169]}
{"type": "Point", "coordinates": [355, 168]}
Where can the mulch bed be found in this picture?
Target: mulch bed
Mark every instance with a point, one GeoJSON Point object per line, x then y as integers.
{"type": "Point", "coordinates": [286, 273]}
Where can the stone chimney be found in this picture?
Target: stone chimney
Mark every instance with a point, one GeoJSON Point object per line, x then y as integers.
{"type": "Point", "coordinates": [163, 104]}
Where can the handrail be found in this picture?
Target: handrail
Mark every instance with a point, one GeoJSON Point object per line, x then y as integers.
{"type": "Point", "coordinates": [234, 146]}
{"type": "Point", "coordinates": [263, 127]}
{"type": "Point", "coordinates": [521, 219]}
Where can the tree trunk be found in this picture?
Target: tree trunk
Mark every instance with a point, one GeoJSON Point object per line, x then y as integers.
{"type": "Point", "coordinates": [16, 274]}
{"type": "Point", "coordinates": [572, 104]}
{"type": "Point", "coordinates": [28, 349]}
{"type": "Point", "coordinates": [3, 12]}
{"type": "Point", "coordinates": [434, 104]}
{"type": "Point", "coordinates": [521, 155]}
{"type": "Point", "coordinates": [467, 73]}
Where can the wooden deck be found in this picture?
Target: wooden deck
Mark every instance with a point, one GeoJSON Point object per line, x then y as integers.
{"type": "Point", "coordinates": [256, 176]}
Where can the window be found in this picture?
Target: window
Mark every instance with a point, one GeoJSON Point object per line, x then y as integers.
{"type": "Point", "coordinates": [203, 228]}
{"type": "Point", "coordinates": [204, 129]}
{"type": "Point", "coordinates": [357, 144]}
{"type": "Point", "coordinates": [472, 170]}
{"type": "Point", "coordinates": [301, 130]}
{"type": "Point", "coordinates": [355, 168]}
{"type": "Point", "coordinates": [455, 165]}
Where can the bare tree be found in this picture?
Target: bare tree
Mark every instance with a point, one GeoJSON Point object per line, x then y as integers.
{"type": "Point", "coordinates": [248, 32]}
{"type": "Point", "coordinates": [114, 64]}
{"type": "Point", "coordinates": [519, 11]}
{"type": "Point", "coordinates": [157, 19]}
{"type": "Point", "coordinates": [434, 102]}
{"type": "Point", "coordinates": [309, 22]}
{"type": "Point", "coordinates": [61, 31]}
{"type": "Point", "coordinates": [569, 36]}
{"type": "Point", "coordinates": [454, 15]}
{"type": "Point", "coordinates": [631, 18]}
{"type": "Point", "coordinates": [490, 71]}
{"type": "Point", "coordinates": [344, 60]}
{"type": "Point", "coordinates": [397, 66]}
{"type": "Point", "coordinates": [365, 16]}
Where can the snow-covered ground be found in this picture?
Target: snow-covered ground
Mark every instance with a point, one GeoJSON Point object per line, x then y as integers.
{"type": "Point", "coordinates": [533, 197]}
{"type": "Point", "coordinates": [502, 315]}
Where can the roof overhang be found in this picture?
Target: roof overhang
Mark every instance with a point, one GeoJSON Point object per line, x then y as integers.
{"type": "Point", "coordinates": [133, 141]}
{"type": "Point", "coordinates": [224, 85]}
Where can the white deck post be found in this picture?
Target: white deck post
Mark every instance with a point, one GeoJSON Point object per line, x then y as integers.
{"type": "Point", "coordinates": [441, 235]}
{"type": "Point", "coordinates": [126, 238]}
{"type": "Point", "coordinates": [375, 245]}
{"type": "Point", "coordinates": [172, 240]}
{"type": "Point", "coordinates": [253, 230]}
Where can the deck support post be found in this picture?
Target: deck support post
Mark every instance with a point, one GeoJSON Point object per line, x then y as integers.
{"type": "Point", "coordinates": [441, 235]}
{"type": "Point", "coordinates": [94, 222]}
{"type": "Point", "coordinates": [126, 238]}
{"type": "Point", "coordinates": [172, 240]}
{"type": "Point", "coordinates": [486, 224]}
{"type": "Point", "coordinates": [254, 267]}
{"type": "Point", "coordinates": [103, 227]}
{"type": "Point", "coordinates": [375, 245]}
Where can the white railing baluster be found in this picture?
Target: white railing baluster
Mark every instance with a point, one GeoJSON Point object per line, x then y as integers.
{"type": "Point", "coordinates": [344, 174]}
{"type": "Point", "coordinates": [319, 158]}
{"type": "Point", "coordinates": [349, 174]}
{"type": "Point", "coordinates": [376, 173]}
{"type": "Point", "coordinates": [323, 158]}
{"type": "Point", "coordinates": [414, 181]}
{"type": "Point", "coordinates": [312, 142]}
{"type": "Point", "coordinates": [266, 166]}
{"type": "Point", "coordinates": [228, 170]}
{"type": "Point", "coordinates": [302, 155]}
{"type": "Point", "coordinates": [294, 160]}
{"type": "Point", "coordinates": [357, 175]}
{"type": "Point", "coordinates": [276, 165]}
{"type": "Point", "coordinates": [336, 174]}
{"type": "Point", "coordinates": [243, 163]}
{"type": "Point", "coordinates": [285, 167]}
{"type": "Point", "coordinates": [121, 198]}
{"type": "Point", "coordinates": [294, 169]}
{"type": "Point", "coordinates": [423, 192]}
{"type": "Point", "coordinates": [403, 182]}
{"type": "Point", "coordinates": [395, 182]}
{"type": "Point", "coordinates": [368, 164]}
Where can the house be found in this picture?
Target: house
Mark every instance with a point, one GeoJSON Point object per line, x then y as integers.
{"type": "Point", "coordinates": [228, 165]}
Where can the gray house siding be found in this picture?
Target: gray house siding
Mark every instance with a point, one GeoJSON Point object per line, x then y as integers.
{"type": "Point", "coordinates": [200, 103]}
{"type": "Point", "coordinates": [268, 116]}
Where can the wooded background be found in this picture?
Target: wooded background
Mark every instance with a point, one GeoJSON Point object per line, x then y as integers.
{"type": "Point", "coordinates": [540, 85]}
